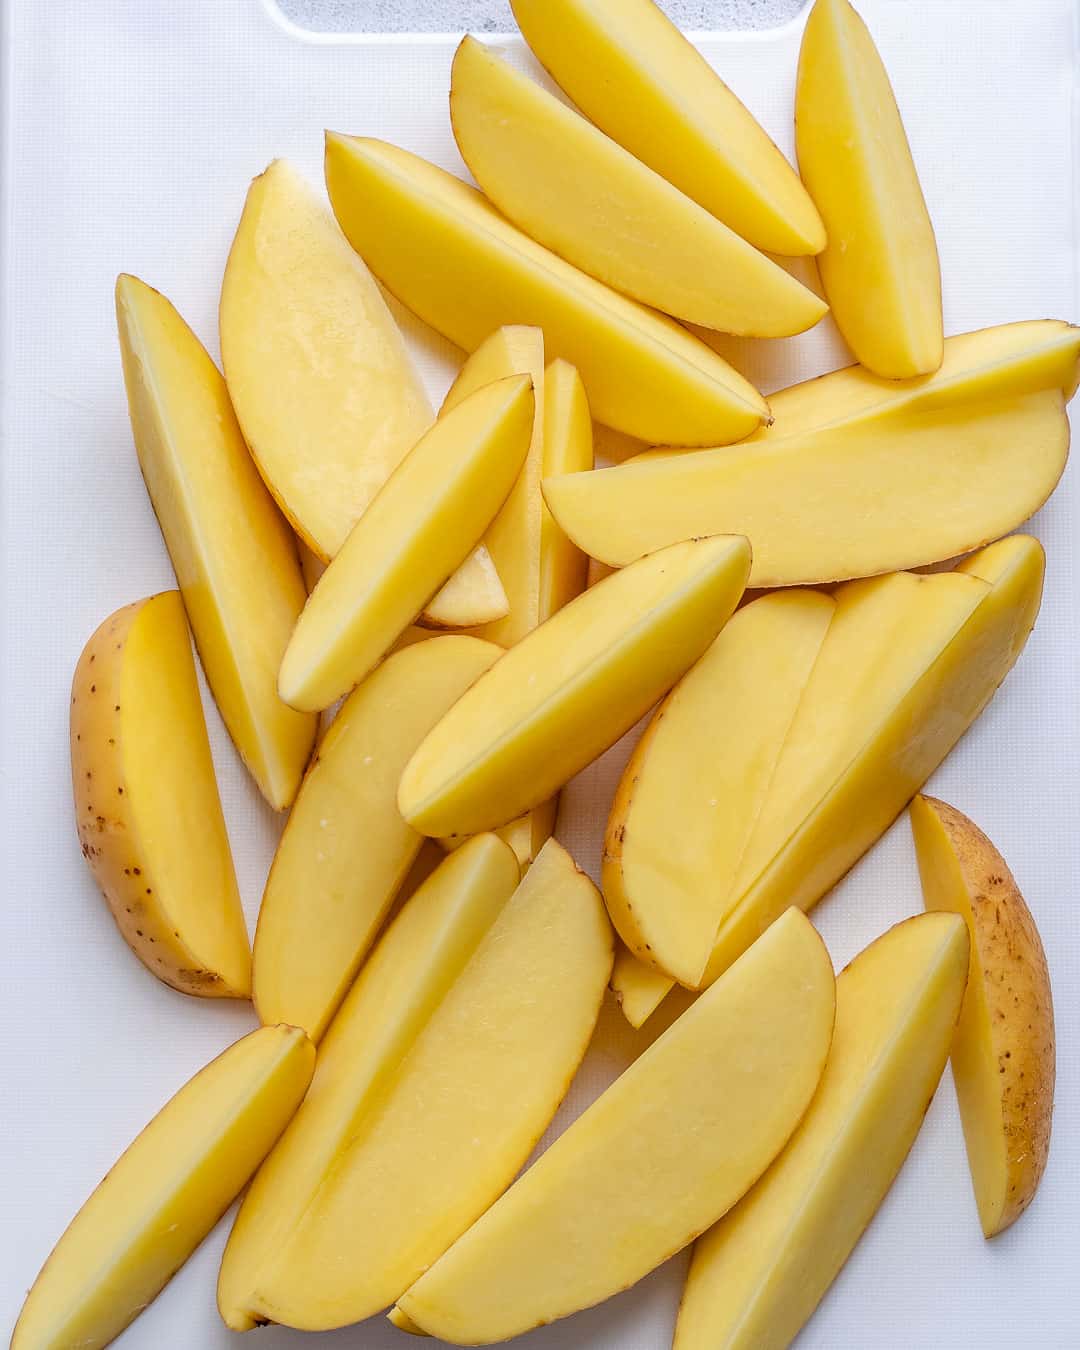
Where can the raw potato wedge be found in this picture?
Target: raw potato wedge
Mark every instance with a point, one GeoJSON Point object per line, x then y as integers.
{"type": "Point", "coordinates": [1003, 1057]}
{"type": "Point", "coordinates": [449, 256]}
{"type": "Point", "coordinates": [146, 802]}
{"type": "Point", "coordinates": [892, 757]}
{"type": "Point", "coordinates": [166, 1193]}
{"type": "Point", "coordinates": [423, 523]}
{"type": "Point", "coordinates": [571, 688]}
{"type": "Point", "coordinates": [233, 555]}
{"type": "Point", "coordinates": [756, 1277]}
{"type": "Point", "coordinates": [632, 73]}
{"type": "Point", "coordinates": [682, 819]}
{"type": "Point", "coordinates": [473, 595]}
{"type": "Point", "coordinates": [345, 849]}
{"type": "Point", "coordinates": [396, 994]}
{"type": "Point", "coordinates": [639, 989]}
{"type": "Point", "coordinates": [660, 1156]}
{"type": "Point", "coordinates": [577, 192]}
{"type": "Point", "coordinates": [880, 266]}
{"type": "Point", "coordinates": [856, 476]}
{"type": "Point", "coordinates": [463, 1112]}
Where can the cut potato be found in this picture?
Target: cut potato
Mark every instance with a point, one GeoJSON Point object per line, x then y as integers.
{"type": "Point", "coordinates": [448, 255]}
{"type": "Point", "coordinates": [345, 849]}
{"type": "Point", "coordinates": [145, 791]}
{"type": "Point", "coordinates": [855, 477]}
{"type": "Point", "coordinates": [639, 989]}
{"type": "Point", "coordinates": [166, 1193]}
{"type": "Point", "coordinates": [423, 523]}
{"type": "Point", "coordinates": [681, 820]}
{"type": "Point", "coordinates": [630, 70]}
{"type": "Point", "coordinates": [660, 1156]}
{"type": "Point", "coordinates": [394, 997]}
{"type": "Point", "coordinates": [1003, 1056]}
{"type": "Point", "coordinates": [757, 1276]}
{"type": "Point", "coordinates": [571, 688]}
{"type": "Point", "coordinates": [474, 595]}
{"type": "Point", "coordinates": [895, 753]}
{"type": "Point", "coordinates": [234, 556]}
{"type": "Point", "coordinates": [318, 372]}
{"type": "Point", "coordinates": [462, 1113]}
{"type": "Point", "coordinates": [577, 192]}
{"type": "Point", "coordinates": [880, 266]}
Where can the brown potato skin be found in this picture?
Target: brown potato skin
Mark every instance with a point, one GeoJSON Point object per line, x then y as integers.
{"type": "Point", "coordinates": [1008, 952]}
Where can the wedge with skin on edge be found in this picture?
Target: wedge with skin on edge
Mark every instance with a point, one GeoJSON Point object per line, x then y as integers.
{"type": "Point", "coordinates": [911, 739]}
{"type": "Point", "coordinates": [425, 519]}
{"type": "Point", "coordinates": [233, 555]}
{"type": "Point", "coordinates": [166, 1192]}
{"type": "Point", "coordinates": [452, 259]}
{"type": "Point", "coordinates": [345, 849]}
{"type": "Point", "coordinates": [463, 1112]}
{"type": "Point", "coordinates": [1003, 1055]}
{"type": "Point", "coordinates": [396, 994]}
{"type": "Point", "coordinates": [145, 789]}
{"type": "Point", "coordinates": [657, 1158]}
{"type": "Point", "coordinates": [582, 195]}
{"type": "Point", "coordinates": [639, 989]}
{"type": "Point", "coordinates": [571, 688]}
{"type": "Point", "coordinates": [880, 266]}
{"type": "Point", "coordinates": [697, 781]}
{"type": "Point", "coordinates": [630, 70]}
{"type": "Point", "coordinates": [757, 1276]}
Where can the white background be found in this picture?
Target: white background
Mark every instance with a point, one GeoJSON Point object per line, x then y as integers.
{"type": "Point", "coordinates": [130, 131]}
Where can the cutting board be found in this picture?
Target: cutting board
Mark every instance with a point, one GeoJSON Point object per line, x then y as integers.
{"type": "Point", "coordinates": [130, 131]}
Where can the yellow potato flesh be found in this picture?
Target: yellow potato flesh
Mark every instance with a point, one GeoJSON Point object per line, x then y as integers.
{"type": "Point", "coordinates": [473, 595]}
{"type": "Point", "coordinates": [146, 802]}
{"type": "Point", "coordinates": [233, 555]}
{"type": "Point", "coordinates": [395, 996]}
{"type": "Point", "coordinates": [854, 499]}
{"type": "Point", "coordinates": [320, 377]}
{"type": "Point", "coordinates": [166, 1192]}
{"type": "Point", "coordinates": [464, 1110]}
{"type": "Point", "coordinates": [1003, 1056]}
{"type": "Point", "coordinates": [897, 755]}
{"type": "Point", "coordinates": [577, 192]}
{"type": "Point", "coordinates": [633, 74]}
{"type": "Point", "coordinates": [880, 266]}
{"type": "Point", "coordinates": [423, 523]}
{"type": "Point", "coordinates": [682, 819]}
{"type": "Point", "coordinates": [571, 688]}
{"type": "Point", "coordinates": [345, 849]}
{"type": "Point", "coordinates": [661, 1155]}
{"type": "Point", "coordinates": [757, 1276]}
{"type": "Point", "coordinates": [450, 257]}
{"type": "Point", "coordinates": [639, 989]}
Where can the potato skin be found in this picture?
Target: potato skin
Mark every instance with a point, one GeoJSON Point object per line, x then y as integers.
{"type": "Point", "coordinates": [1007, 954]}
{"type": "Point", "coordinates": [104, 819]}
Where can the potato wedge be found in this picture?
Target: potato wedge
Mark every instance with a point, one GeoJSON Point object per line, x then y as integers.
{"type": "Point", "coordinates": [345, 849]}
{"type": "Point", "coordinates": [632, 73]}
{"type": "Point", "coordinates": [166, 1193]}
{"type": "Point", "coordinates": [856, 477]}
{"type": "Point", "coordinates": [571, 688]}
{"type": "Point", "coordinates": [145, 793]}
{"type": "Point", "coordinates": [464, 269]}
{"type": "Point", "coordinates": [474, 595]}
{"type": "Point", "coordinates": [1003, 1057]}
{"type": "Point", "coordinates": [661, 1155]}
{"type": "Point", "coordinates": [234, 556]}
{"type": "Point", "coordinates": [424, 522]}
{"type": "Point", "coordinates": [757, 1276]}
{"type": "Point", "coordinates": [639, 989]}
{"type": "Point", "coordinates": [464, 1110]}
{"type": "Point", "coordinates": [395, 996]}
{"type": "Point", "coordinates": [681, 820]}
{"type": "Point", "coordinates": [898, 753]}
{"type": "Point", "coordinates": [579, 193]}
{"type": "Point", "coordinates": [880, 266]}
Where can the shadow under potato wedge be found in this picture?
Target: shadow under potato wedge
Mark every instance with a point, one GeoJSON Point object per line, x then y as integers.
{"type": "Point", "coordinates": [856, 476]}
{"type": "Point", "coordinates": [662, 1154]}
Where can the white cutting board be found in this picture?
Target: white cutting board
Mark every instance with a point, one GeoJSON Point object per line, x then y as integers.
{"type": "Point", "coordinates": [130, 131]}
